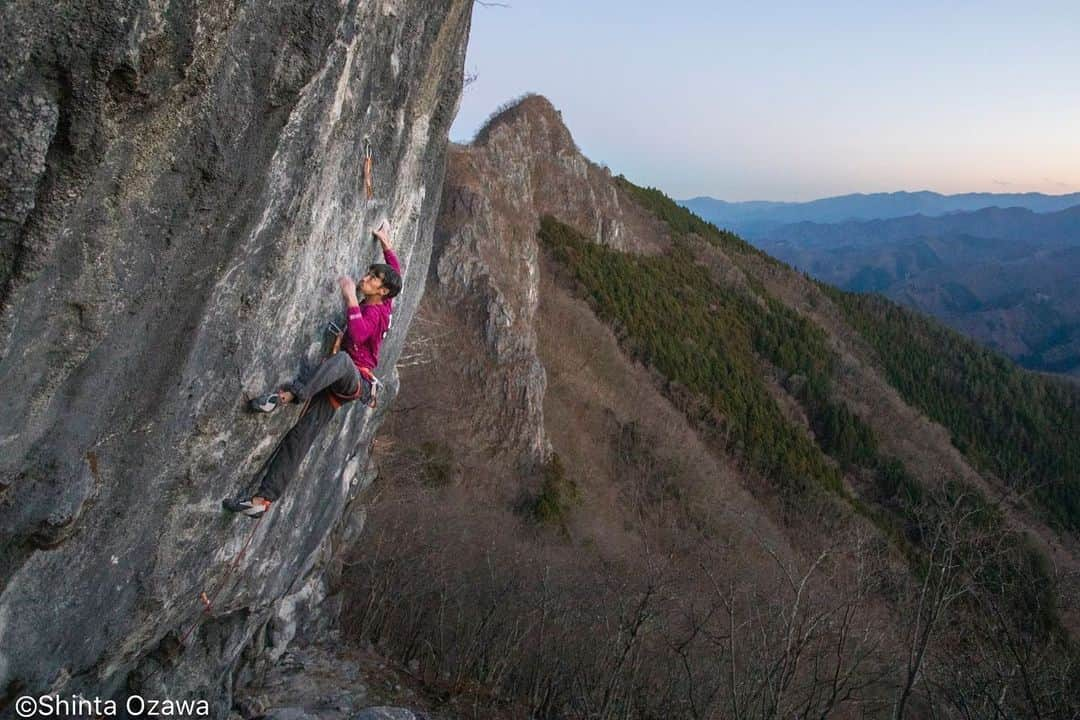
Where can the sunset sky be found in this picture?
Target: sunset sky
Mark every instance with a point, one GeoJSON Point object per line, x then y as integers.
{"type": "Point", "coordinates": [793, 100]}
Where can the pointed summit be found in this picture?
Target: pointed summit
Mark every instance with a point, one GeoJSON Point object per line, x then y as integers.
{"type": "Point", "coordinates": [532, 118]}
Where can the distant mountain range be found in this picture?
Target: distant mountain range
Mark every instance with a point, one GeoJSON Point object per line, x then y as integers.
{"type": "Point", "coordinates": [752, 219]}
{"type": "Point", "coordinates": [1009, 278]}
{"type": "Point", "coordinates": [1015, 224]}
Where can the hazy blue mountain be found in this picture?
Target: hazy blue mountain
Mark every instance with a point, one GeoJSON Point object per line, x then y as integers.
{"type": "Point", "coordinates": [1007, 277]}
{"type": "Point", "coordinates": [1020, 225]}
{"type": "Point", "coordinates": [751, 219]}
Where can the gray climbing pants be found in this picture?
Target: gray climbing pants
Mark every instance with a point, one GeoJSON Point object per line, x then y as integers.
{"type": "Point", "coordinates": [335, 374]}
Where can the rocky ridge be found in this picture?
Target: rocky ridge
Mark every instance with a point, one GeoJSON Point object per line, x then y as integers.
{"type": "Point", "coordinates": [486, 262]}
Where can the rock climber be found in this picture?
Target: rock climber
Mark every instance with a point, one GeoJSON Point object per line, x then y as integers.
{"type": "Point", "coordinates": [340, 378]}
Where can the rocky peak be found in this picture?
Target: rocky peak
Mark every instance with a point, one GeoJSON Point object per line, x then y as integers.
{"type": "Point", "coordinates": [523, 165]}
{"type": "Point", "coordinates": [532, 119]}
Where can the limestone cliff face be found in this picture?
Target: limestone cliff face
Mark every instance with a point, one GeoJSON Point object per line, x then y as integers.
{"type": "Point", "coordinates": [182, 184]}
{"type": "Point", "coordinates": [487, 256]}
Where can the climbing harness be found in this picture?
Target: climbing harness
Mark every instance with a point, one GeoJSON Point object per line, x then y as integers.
{"type": "Point", "coordinates": [338, 399]}
{"type": "Point", "coordinates": [369, 189]}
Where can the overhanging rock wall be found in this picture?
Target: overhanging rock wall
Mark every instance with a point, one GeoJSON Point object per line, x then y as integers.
{"type": "Point", "coordinates": [181, 185]}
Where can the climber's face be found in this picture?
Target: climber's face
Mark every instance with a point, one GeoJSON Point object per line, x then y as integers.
{"type": "Point", "coordinates": [371, 284]}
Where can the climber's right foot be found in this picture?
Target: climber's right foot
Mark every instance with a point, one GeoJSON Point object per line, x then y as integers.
{"type": "Point", "coordinates": [253, 508]}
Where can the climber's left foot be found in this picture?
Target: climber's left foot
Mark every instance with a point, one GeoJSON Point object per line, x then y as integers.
{"type": "Point", "coordinates": [272, 401]}
{"type": "Point", "coordinates": [266, 403]}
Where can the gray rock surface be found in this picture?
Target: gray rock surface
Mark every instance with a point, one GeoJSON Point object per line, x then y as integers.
{"type": "Point", "coordinates": [290, 713]}
{"type": "Point", "coordinates": [328, 679]}
{"type": "Point", "coordinates": [387, 713]}
{"type": "Point", "coordinates": [181, 184]}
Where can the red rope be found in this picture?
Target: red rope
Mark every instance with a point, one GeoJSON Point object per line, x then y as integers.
{"type": "Point", "coordinates": [208, 602]}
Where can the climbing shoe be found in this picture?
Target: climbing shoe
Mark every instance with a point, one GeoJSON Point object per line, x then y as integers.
{"type": "Point", "coordinates": [246, 507]}
{"type": "Point", "coordinates": [266, 403]}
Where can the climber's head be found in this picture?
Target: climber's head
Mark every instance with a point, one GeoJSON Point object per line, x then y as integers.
{"type": "Point", "coordinates": [381, 281]}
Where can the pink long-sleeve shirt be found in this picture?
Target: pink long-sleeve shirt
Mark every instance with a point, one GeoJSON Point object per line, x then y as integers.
{"type": "Point", "coordinates": [368, 325]}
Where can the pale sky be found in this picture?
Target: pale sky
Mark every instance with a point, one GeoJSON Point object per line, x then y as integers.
{"type": "Point", "coordinates": [796, 100]}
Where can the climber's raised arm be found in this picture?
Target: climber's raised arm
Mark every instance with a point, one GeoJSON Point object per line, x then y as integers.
{"type": "Point", "coordinates": [382, 233]}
